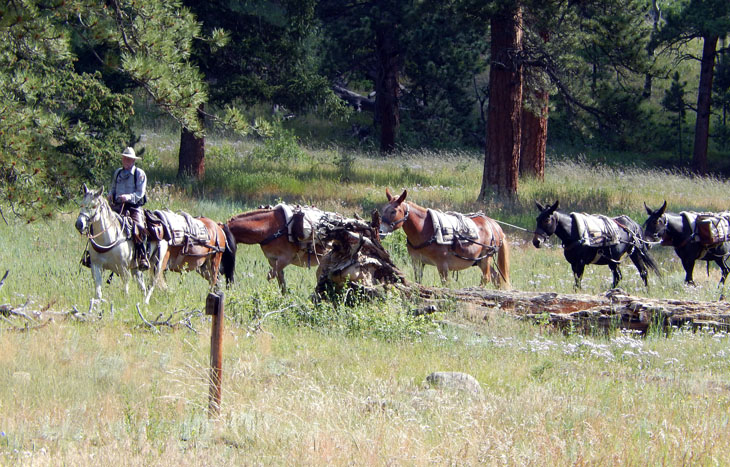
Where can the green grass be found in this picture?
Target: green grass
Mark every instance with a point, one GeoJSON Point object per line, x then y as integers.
{"type": "Point", "coordinates": [331, 384]}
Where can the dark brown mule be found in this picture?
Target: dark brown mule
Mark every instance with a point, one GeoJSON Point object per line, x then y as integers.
{"type": "Point", "coordinates": [205, 258]}
{"type": "Point", "coordinates": [463, 254]}
{"type": "Point", "coordinates": [268, 228]}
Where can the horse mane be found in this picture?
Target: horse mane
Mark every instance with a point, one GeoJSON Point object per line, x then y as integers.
{"type": "Point", "coordinates": [250, 213]}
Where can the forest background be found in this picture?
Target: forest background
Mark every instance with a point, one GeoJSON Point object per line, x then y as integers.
{"type": "Point", "coordinates": [477, 105]}
{"type": "Point", "coordinates": [622, 80]}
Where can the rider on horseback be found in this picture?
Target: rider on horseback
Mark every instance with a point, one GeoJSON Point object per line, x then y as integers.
{"type": "Point", "coordinates": [127, 196]}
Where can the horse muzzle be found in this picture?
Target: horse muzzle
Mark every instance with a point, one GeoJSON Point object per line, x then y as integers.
{"type": "Point", "coordinates": [82, 224]}
{"type": "Point", "coordinates": [385, 230]}
{"type": "Point", "coordinates": [537, 241]}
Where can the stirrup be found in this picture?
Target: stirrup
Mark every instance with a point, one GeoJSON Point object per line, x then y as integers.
{"type": "Point", "coordinates": [142, 263]}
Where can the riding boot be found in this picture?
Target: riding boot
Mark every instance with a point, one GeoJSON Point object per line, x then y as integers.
{"type": "Point", "coordinates": [143, 263]}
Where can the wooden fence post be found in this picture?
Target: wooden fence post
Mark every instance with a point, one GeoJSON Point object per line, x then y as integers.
{"type": "Point", "coordinates": [214, 307]}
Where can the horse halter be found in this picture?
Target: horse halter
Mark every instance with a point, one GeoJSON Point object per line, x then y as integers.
{"type": "Point", "coordinates": [544, 234]}
{"type": "Point", "coordinates": [661, 224]}
{"type": "Point", "coordinates": [394, 224]}
{"type": "Point", "coordinates": [89, 218]}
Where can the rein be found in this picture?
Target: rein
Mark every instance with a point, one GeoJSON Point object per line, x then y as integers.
{"type": "Point", "coordinates": [106, 248]}
{"type": "Point", "coordinates": [516, 227]}
{"type": "Point", "coordinates": [91, 236]}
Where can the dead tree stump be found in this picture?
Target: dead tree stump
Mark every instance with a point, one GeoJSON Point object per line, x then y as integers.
{"type": "Point", "coordinates": [357, 260]}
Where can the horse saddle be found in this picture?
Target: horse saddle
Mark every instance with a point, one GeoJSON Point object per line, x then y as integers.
{"type": "Point", "coordinates": [181, 228]}
{"type": "Point", "coordinates": [595, 229]}
{"type": "Point", "coordinates": [709, 228]}
{"type": "Point", "coordinates": [302, 222]}
{"type": "Point", "coordinates": [450, 227]}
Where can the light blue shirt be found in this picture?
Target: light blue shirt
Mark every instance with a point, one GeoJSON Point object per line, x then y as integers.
{"type": "Point", "coordinates": [123, 183]}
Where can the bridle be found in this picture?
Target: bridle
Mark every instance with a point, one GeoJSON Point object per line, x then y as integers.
{"type": "Point", "coordinates": [89, 219]}
{"type": "Point", "coordinates": [540, 232]}
{"type": "Point", "coordinates": [394, 224]}
{"type": "Point", "coordinates": [659, 233]}
{"type": "Point", "coordinates": [90, 234]}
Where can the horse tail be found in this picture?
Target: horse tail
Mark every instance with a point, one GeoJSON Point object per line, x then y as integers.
{"type": "Point", "coordinates": [503, 260]}
{"type": "Point", "coordinates": [648, 260]}
{"type": "Point", "coordinates": [228, 261]}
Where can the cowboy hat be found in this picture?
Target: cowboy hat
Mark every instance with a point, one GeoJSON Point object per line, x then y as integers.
{"type": "Point", "coordinates": [129, 152]}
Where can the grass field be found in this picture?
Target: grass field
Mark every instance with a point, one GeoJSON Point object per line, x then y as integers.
{"type": "Point", "coordinates": [328, 384]}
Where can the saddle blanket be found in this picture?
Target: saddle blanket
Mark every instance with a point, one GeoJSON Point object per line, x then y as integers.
{"type": "Point", "coordinates": [448, 226]}
{"type": "Point", "coordinates": [302, 221]}
{"type": "Point", "coordinates": [708, 228]}
{"type": "Point", "coordinates": [595, 229]}
{"type": "Point", "coordinates": [181, 227]}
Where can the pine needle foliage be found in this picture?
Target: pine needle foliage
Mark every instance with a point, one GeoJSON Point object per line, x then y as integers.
{"type": "Point", "coordinates": [62, 120]}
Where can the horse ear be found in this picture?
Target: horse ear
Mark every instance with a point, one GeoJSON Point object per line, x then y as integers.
{"type": "Point", "coordinates": [86, 188]}
{"type": "Point", "coordinates": [100, 192]}
{"type": "Point", "coordinates": [554, 207]}
{"type": "Point", "coordinates": [648, 209]}
{"type": "Point", "coordinates": [663, 208]}
{"type": "Point", "coordinates": [388, 195]}
{"type": "Point", "coordinates": [540, 207]}
{"type": "Point", "coordinates": [402, 197]}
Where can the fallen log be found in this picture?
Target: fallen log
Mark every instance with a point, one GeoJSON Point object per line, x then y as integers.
{"type": "Point", "coordinates": [359, 262]}
{"type": "Point", "coordinates": [615, 309]}
{"type": "Point", "coordinates": [357, 101]}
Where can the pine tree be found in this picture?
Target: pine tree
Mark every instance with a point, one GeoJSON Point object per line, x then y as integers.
{"type": "Point", "coordinates": [707, 20]}
{"type": "Point", "coordinates": [673, 102]}
{"type": "Point", "coordinates": [264, 61]}
{"type": "Point", "coordinates": [60, 124]}
{"type": "Point", "coordinates": [420, 57]}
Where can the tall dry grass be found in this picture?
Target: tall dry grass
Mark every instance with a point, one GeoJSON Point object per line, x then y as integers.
{"type": "Point", "coordinates": [337, 385]}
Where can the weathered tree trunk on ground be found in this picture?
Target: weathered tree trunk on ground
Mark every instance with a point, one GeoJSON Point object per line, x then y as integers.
{"type": "Point", "coordinates": [387, 89]}
{"type": "Point", "coordinates": [357, 101]}
{"type": "Point", "coordinates": [588, 312]}
{"type": "Point", "coordinates": [704, 103]}
{"type": "Point", "coordinates": [501, 164]}
{"type": "Point", "coordinates": [191, 158]}
{"type": "Point", "coordinates": [533, 139]}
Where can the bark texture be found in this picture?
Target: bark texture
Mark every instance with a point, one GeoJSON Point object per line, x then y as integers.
{"type": "Point", "coordinates": [704, 102]}
{"type": "Point", "coordinates": [533, 138]}
{"type": "Point", "coordinates": [387, 89]}
{"type": "Point", "coordinates": [191, 158]}
{"type": "Point", "coordinates": [501, 164]}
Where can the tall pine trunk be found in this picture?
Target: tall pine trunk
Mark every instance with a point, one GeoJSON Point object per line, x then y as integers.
{"type": "Point", "coordinates": [704, 102]}
{"type": "Point", "coordinates": [387, 88]}
{"type": "Point", "coordinates": [502, 158]}
{"type": "Point", "coordinates": [533, 140]}
{"type": "Point", "coordinates": [191, 159]}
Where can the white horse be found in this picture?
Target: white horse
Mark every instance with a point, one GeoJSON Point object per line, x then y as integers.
{"type": "Point", "coordinates": [111, 248]}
